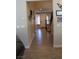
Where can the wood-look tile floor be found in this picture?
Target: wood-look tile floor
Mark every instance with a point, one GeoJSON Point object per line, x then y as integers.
{"type": "Point", "coordinates": [42, 47]}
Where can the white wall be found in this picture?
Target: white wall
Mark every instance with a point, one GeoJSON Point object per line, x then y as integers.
{"type": "Point", "coordinates": [57, 26]}
{"type": "Point", "coordinates": [21, 22]}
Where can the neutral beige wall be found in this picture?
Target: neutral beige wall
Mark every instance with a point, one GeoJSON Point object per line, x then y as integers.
{"type": "Point", "coordinates": [57, 26]}
{"type": "Point", "coordinates": [42, 19]}
{"type": "Point", "coordinates": [38, 5]}
{"type": "Point", "coordinates": [38, 0]}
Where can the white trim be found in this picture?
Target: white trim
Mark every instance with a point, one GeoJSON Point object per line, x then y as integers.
{"type": "Point", "coordinates": [57, 46]}
{"type": "Point", "coordinates": [26, 46]}
{"type": "Point", "coordinates": [30, 43]}
{"type": "Point", "coordinates": [31, 40]}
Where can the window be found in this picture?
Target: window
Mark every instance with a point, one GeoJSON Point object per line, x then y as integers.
{"type": "Point", "coordinates": [37, 19]}
{"type": "Point", "coordinates": [47, 19]}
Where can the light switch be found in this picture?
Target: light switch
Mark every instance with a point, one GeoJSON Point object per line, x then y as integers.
{"type": "Point", "coordinates": [22, 18]}
{"type": "Point", "coordinates": [17, 26]}
{"type": "Point", "coordinates": [22, 26]}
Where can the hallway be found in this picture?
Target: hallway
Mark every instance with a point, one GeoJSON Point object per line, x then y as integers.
{"type": "Point", "coordinates": [42, 39]}
{"type": "Point", "coordinates": [41, 47]}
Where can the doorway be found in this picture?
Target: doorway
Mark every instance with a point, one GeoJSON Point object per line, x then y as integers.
{"type": "Point", "coordinates": [39, 15]}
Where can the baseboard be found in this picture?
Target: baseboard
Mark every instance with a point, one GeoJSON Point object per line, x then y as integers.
{"type": "Point", "coordinates": [31, 40]}
{"type": "Point", "coordinates": [29, 44]}
{"type": "Point", "coordinates": [26, 46]}
{"type": "Point", "coordinates": [57, 46]}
